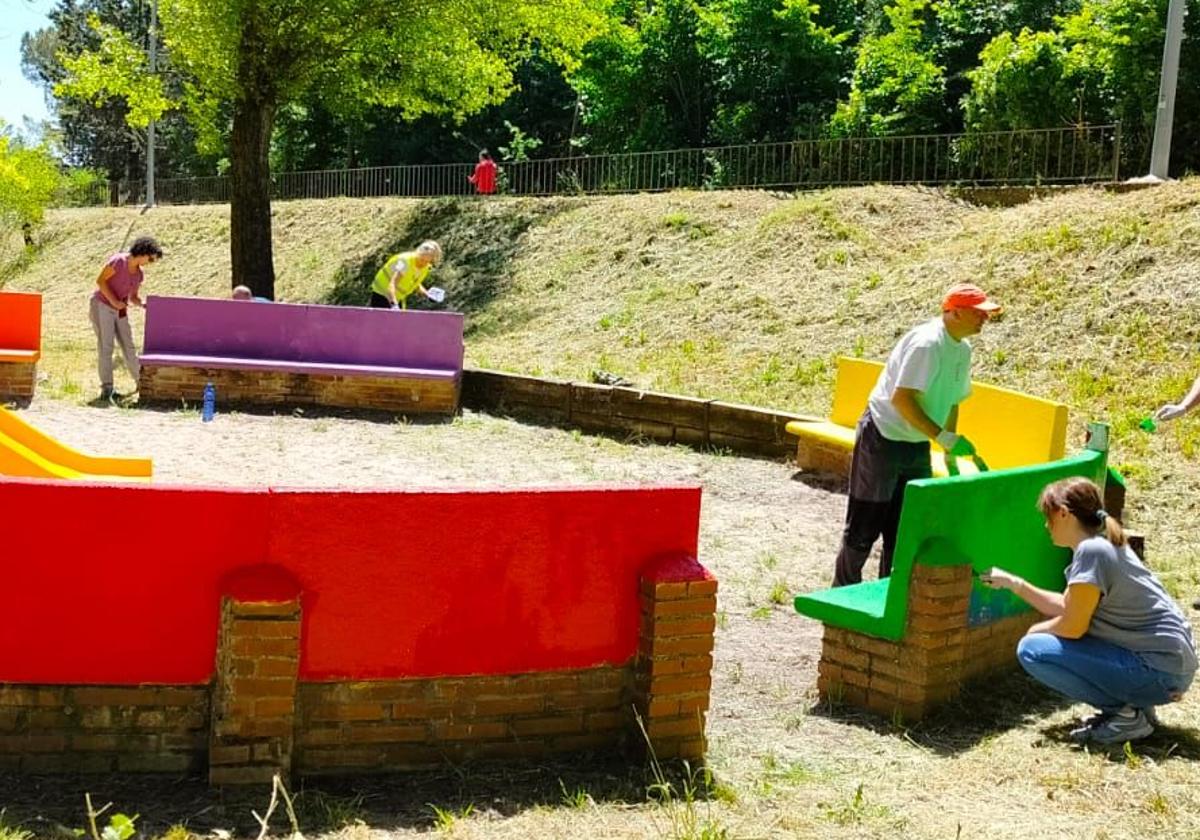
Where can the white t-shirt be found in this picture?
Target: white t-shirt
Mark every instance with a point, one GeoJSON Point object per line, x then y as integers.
{"type": "Point", "coordinates": [930, 361]}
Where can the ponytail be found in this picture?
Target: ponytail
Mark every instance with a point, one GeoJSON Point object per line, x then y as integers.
{"type": "Point", "coordinates": [1112, 528]}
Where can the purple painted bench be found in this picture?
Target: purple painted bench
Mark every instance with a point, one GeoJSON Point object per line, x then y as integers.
{"type": "Point", "coordinates": [278, 353]}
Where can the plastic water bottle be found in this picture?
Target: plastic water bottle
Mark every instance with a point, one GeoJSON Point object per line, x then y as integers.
{"type": "Point", "coordinates": [210, 403]}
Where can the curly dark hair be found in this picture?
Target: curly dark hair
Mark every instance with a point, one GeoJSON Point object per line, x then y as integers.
{"type": "Point", "coordinates": [145, 246]}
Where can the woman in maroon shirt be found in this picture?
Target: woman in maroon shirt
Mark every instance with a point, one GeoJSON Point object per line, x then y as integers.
{"type": "Point", "coordinates": [117, 290]}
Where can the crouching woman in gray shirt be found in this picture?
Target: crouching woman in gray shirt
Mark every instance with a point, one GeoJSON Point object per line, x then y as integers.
{"type": "Point", "coordinates": [1114, 639]}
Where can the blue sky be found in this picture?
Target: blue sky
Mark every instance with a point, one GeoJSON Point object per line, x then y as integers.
{"type": "Point", "coordinates": [18, 97]}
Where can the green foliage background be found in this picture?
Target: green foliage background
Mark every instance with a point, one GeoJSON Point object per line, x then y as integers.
{"type": "Point", "coordinates": [655, 74]}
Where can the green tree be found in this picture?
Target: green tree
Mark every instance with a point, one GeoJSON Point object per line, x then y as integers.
{"type": "Point", "coordinates": [645, 83]}
{"type": "Point", "coordinates": [962, 28]}
{"type": "Point", "coordinates": [1098, 64]}
{"type": "Point", "coordinates": [1028, 81]}
{"type": "Point", "coordinates": [779, 66]}
{"type": "Point", "coordinates": [253, 57]}
{"type": "Point", "coordinates": [897, 87]}
{"type": "Point", "coordinates": [29, 177]}
{"type": "Point", "coordinates": [96, 133]}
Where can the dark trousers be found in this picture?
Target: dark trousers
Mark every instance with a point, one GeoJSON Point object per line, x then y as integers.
{"type": "Point", "coordinates": [879, 471]}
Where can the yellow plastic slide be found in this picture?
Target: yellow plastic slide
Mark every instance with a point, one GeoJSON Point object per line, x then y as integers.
{"type": "Point", "coordinates": [26, 452]}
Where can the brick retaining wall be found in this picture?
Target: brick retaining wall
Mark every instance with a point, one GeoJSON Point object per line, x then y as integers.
{"type": "Point", "coordinates": [665, 418]}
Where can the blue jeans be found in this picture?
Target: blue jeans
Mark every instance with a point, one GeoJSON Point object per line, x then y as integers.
{"type": "Point", "coordinates": [1098, 673]}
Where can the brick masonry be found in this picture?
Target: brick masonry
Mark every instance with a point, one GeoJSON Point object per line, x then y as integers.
{"type": "Point", "coordinates": [405, 724]}
{"type": "Point", "coordinates": [928, 667]}
{"type": "Point", "coordinates": [673, 673]}
{"type": "Point", "coordinates": [257, 719]}
{"type": "Point", "coordinates": [822, 457]}
{"type": "Point", "coordinates": [103, 729]}
{"type": "Point", "coordinates": [254, 696]}
{"type": "Point", "coordinates": [607, 409]}
{"type": "Point", "coordinates": [17, 380]}
{"type": "Point", "coordinates": [240, 387]}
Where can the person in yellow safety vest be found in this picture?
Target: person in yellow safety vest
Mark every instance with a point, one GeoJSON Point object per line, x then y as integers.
{"type": "Point", "coordinates": [404, 274]}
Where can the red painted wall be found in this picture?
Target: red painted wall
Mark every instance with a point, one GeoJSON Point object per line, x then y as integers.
{"type": "Point", "coordinates": [119, 584]}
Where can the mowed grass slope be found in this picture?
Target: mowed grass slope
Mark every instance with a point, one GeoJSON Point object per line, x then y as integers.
{"type": "Point", "coordinates": [739, 295]}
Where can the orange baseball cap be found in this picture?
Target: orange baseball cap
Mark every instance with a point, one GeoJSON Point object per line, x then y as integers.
{"type": "Point", "coordinates": [968, 296]}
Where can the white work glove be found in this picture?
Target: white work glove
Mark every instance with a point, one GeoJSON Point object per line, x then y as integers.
{"type": "Point", "coordinates": [1170, 411]}
{"type": "Point", "coordinates": [1000, 579]}
{"type": "Point", "coordinates": [955, 445]}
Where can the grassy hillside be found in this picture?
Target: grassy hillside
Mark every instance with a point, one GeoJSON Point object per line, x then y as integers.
{"type": "Point", "coordinates": [747, 296]}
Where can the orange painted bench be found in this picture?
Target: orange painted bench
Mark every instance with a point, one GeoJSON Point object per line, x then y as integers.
{"type": "Point", "coordinates": [20, 343]}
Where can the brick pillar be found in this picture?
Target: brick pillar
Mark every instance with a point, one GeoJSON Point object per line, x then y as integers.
{"type": "Point", "coordinates": [674, 662]}
{"type": "Point", "coordinates": [935, 638]}
{"type": "Point", "coordinates": [254, 703]}
{"type": "Point", "coordinates": [911, 676]}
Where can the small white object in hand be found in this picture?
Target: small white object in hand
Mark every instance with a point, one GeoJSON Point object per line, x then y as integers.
{"type": "Point", "coordinates": [437, 295]}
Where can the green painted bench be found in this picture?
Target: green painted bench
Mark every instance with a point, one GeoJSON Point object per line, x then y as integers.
{"type": "Point", "coordinates": [931, 613]}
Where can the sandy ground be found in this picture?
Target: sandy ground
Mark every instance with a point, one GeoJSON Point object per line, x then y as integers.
{"type": "Point", "coordinates": [787, 767]}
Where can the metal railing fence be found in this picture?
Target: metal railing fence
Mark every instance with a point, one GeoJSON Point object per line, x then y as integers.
{"type": "Point", "coordinates": [1069, 155]}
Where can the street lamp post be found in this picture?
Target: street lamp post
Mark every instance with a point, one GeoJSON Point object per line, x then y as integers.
{"type": "Point", "coordinates": [150, 130]}
{"type": "Point", "coordinates": [1160, 154]}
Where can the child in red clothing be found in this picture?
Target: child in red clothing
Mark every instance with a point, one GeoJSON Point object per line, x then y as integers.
{"type": "Point", "coordinates": [484, 178]}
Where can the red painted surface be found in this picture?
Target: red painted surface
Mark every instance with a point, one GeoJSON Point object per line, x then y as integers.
{"type": "Point", "coordinates": [119, 584]}
{"type": "Point", "coordinates": [20, 321]}
{"type": "Point", "coordinates": [676, 568]}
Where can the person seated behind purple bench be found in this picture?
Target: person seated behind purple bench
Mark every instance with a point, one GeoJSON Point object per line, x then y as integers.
{"type": "Point", "coordinates": [244, 293]}
{"type": "Point", "coordinates": [1115, 639]}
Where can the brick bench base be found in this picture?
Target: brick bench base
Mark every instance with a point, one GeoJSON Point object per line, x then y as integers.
{"type": "Point", "coordinates": [236, 387]}
{"type": "Point", "coordinates": [938, 654]}
{"type": "Point", "coordinates": [823, 457]}
{"type": "Point", "coordinates": [17, 380]}
{"type": "Point", "coordinates": [258, 718]}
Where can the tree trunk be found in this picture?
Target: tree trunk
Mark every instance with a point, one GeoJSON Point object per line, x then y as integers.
{"type": "Point", "coordinates": [250, 198]}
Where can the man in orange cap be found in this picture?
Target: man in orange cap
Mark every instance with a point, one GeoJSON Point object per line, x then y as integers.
{"type": "Point", "coordinates": [914, 401]}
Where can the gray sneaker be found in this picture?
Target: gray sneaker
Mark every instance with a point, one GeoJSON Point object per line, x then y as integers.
{"type": "Point", "coordinates": [1129, 724]}
{"type": "Point", "coordinates": [1083, 732]}
{"type": "Point", "coordinates": [1096, 718]}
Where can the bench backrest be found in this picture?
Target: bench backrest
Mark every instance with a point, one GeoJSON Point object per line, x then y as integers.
{"type": "Point", "coordinates": [855, 379]}
{"type": "Point", "coordinates": [20, 321]}
{"type": "Point", "coordinates": [984, 519]}
{"type": "Point", "coordinates": [1010, 429]}
{"type": "Point", "coordinates": [395, 584]}
{"type": "Point", "coordinates": [296, 332]}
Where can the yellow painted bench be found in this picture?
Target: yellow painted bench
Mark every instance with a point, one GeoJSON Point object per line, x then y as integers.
{"type": "Point", "coordinates": [1008, 428]}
